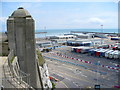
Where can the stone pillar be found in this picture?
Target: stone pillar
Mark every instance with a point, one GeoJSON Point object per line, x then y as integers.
{"type": "Point", "coordinates": [10, 26]}
{"type": "Point", "coordinates": [21, 37]}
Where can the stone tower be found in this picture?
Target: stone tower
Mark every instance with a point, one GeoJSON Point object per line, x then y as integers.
{"type": "Point", "coordinates": [21, 38]}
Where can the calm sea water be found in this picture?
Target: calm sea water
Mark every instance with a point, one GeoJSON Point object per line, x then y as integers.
{"type": "Point", "coordinates": [55, 32]}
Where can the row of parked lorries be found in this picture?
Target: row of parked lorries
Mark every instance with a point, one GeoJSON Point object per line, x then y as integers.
{"type": "Point", "coordinates": [112, 54]}
{"type": "Point", "coordinates": [107, 53]}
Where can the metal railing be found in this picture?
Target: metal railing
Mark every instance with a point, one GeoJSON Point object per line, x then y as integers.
{"type": "Point", "coordinates": [13, 76]}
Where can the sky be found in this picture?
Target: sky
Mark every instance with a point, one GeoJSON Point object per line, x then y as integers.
{"type": "Point", "coordinates": [66, 15]}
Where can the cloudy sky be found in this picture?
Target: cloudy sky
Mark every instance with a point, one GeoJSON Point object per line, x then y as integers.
{"type": "Point", "coordinates": [66, 15]}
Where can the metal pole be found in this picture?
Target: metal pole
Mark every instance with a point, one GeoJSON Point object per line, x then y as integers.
{"type": "Point", "coordinates": [98, 71]}
{"type": "Point", "coordinates": [101, 33]}
{"type": "Point", "coordinates": [45, 33]}
{"type": "Point", "coordinates": [102, 28]}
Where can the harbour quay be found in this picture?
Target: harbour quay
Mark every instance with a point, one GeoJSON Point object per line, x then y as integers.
{"type": "Point", "coordinates": [73, 64]}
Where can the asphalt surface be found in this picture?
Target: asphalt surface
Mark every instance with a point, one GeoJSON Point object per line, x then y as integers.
{"type": "Point", "coordinates": [76, 74]}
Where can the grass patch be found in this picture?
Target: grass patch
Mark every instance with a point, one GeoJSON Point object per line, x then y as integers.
{"type": "Point", "coordinates": [53, 85]}
{"type": "Point", "coordinates": [41, 60]}
{"type": "Point", "coordinates": [12, 59]}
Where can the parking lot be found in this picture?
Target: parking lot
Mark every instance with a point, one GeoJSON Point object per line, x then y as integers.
{"type": "Point", "coordinates": [76, 73]}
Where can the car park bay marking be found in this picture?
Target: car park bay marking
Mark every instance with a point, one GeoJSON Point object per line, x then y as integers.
{"type": "Point", "coordinates": [77, 65]}
{"type": "Point", "coordinates": [87, 62]}
{"type": "Point", "coordinates": [72, 76]}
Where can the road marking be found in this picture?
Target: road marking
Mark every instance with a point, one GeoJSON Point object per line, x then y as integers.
{"type": "Point", "coordinates": [82, 60]}
{"type": "Point", "coordinates": [76, 84]}
{"type": "Point", "coordinates": [56, 62]}
{"type": "Point", "coordinates": [77, 72]}
{"type": "Point", "coordinates": [59, 75]}
{"type": "Point", "coordinates": [67, 79]}
{"type": "Point", "coordinates": [83, 75]}
{"type": "Point", "coordinates": [103, 77]}
{"type": "Point", "coordinates": [73, 76]}
{"type": "Point", "coordinates": [87, 69]}
{"type": "Point", "coordinates": [62, 81]}
{"type": "Point", "coordinates": [75, 69]}
{"type": "Point", "coordinates": [64, 84]}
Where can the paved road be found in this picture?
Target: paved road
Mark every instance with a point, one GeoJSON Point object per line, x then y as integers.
{"type": "Point", "coordinates": [102, 70]}
{"type": "Point", "coordinates": [73, 75]}
{"type": "Point", "coordinates": [76, 76]}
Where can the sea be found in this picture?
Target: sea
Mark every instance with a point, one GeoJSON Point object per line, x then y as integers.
{"type": "Point", "coordinates": [56, 32]}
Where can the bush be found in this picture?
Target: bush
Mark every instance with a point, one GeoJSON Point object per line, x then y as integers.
{"type": "Point", "coordinates": [53, 85]}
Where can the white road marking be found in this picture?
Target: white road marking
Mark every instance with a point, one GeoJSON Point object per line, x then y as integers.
{"type": "Point", "coordinates": [83, 75]}
{"type": "Point", "coordinates": [59, 75]}
{"type": "Point", "coordinates": [76, 84]}
{"type": "Point", "coordinates": [68, 79]}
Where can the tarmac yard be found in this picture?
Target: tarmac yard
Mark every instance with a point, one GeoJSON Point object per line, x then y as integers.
{"type": "Point", "coordinates": [74, 73]}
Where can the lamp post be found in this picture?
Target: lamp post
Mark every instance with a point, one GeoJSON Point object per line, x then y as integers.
{"type": "Point", "coordinates": [101, 33]}
{"type": "Point", "coordinates": [45, 33]}
{"type": "Point", "coordinates": [98, 71]}
{"type": "Point", "coordinates": [97, 86]}
{"type": "Point", "coordinates": [101, 28]}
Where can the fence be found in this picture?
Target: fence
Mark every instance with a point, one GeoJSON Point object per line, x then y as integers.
{"type": "Point", "coordinates": [13, 76]}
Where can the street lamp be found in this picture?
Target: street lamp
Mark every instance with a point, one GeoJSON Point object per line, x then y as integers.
{"type": "Point", "coordinates": [98, 71]}
{"type": "Point", "coordinates": [45, 32]}
{"type": "Point", "coordinates": [97, 86]}
{"type": "Point", "coordinates": [101, 33]}
{"type": "Point", "coordinates": [101, 28]}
